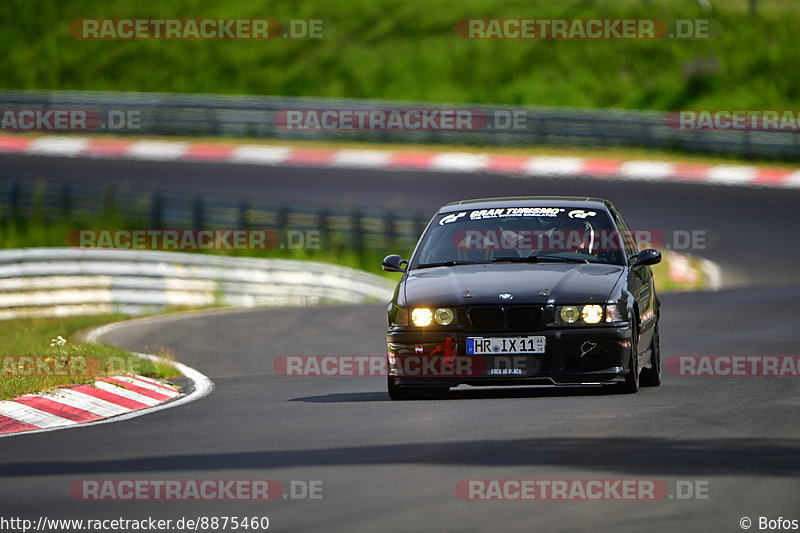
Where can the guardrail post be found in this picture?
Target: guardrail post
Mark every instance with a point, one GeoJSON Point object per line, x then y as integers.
{"type": "Point", "coordinates": [390, 228]}
{"type": "Point", "coordinates": [156, 207]}
{"type": "Point", "coordinates": [324, 228]}
{"type": "Point", "coordinates": [358, 231]}
{"type": "Point", "coordinates": [282, 219]}
{"type": "Point", "coordinates": [243, 220]}
{"type": "Point", "coordinates": [66, 200]}
{"type": "Point", "coordinates": [419, 224]}
{"type": "Point", "coordinates": [14, 209]}
{"type": "Point", "coordinates": [198, 213]}
{"type": "Point", "coordinates": [746, 147]}
{"type": "Point", "coordinates": [109, 199]}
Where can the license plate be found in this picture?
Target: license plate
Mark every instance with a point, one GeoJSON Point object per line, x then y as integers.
{"type": "Point", "coordinates": [504, 345]}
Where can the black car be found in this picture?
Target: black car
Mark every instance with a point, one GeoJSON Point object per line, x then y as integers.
{"type": "Point", "coordinates": [524, 291]}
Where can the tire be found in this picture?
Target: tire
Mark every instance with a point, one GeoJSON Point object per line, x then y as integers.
{"type": "Point", "coordinates": [409, 393]}
{"type": "Point", "coordinates": [651, 377]}
{"type": "Point", "coordinates": [631, 384]}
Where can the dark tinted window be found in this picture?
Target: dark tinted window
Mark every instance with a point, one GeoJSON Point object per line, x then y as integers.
{"type": "Point", "coordinates": [553, 233]}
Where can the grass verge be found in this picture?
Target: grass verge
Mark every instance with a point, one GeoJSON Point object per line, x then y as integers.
{"type": "Point", "coordinates": [409, 50]}
{"type": "Point", "coordinates": [32, 362]}
{"type": "Point", "coordinates": [680, 273]}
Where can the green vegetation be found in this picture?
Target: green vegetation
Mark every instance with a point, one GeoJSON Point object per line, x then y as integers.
{"type": "Point", "coordinates": [49, 231]}
{"type": "Point", "coordinates": [54, 364]}
{"type": "Point", "coordinates": [408, 50]}
{"type": "Point", "coordinates": [665, 283]}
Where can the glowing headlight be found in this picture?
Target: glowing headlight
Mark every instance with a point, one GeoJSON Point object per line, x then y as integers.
{"type": "Point", "coordinates": [444, 316]}
{"type": "Point", "coordinates": [421, 317]}
{"type": "Point", "coordinates": [569, 314]}
{"type": "Point", "coordinates": [592, 314]}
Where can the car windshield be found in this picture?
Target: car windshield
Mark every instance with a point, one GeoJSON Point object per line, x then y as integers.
{"type": "Point", "coordinates": [520, 234]}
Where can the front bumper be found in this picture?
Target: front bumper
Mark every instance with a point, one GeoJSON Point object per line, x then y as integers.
{"type": "Point", "coordinates": [573, 356]}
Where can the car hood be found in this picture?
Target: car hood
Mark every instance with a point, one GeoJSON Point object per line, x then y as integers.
{"type": "Point", "coordinates": [536, 283]}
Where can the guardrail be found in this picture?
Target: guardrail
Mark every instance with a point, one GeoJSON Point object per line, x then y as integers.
{"type": "Point", "coordinates": [338, 227]}
{"type": "Point", "coordinates": [58, 282]}
{"type": "Point", "coordinates": [254, 116]}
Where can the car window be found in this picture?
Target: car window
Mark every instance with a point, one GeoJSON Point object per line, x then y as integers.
{"type": "Point", "coordinates": [517, 233]}
{"type": "Point", "coordinates": [628, 238]}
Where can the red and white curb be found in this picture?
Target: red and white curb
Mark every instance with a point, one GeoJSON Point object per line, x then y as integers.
{"type": "Point", "coordinates": [517, 165]}
{"type": "Point", "coordinates": [109, 399]}
{"type": "Point", "coordinates": [108, 396]}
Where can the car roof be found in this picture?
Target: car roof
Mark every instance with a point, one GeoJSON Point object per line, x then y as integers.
{"type": "Point", "coordinates": [527, 201]}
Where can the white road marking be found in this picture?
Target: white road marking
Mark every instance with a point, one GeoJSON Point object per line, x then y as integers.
{"type": "Point", "coordinates": [260, 155]}
{"type": "Point", "coordinates": [62, 146]}
{"type": "Point", "coordinates": [554, 166]}
{"type": "Point", "coordinates": [460, 162]}
{"type": "Point", "coordinates": [79, 400]}
{"type": "Point", "coordinates": [361, 159]}
{"type": "Point", "coordinates": [126, 393]}
{"type": "Point", "coordinates": [731, 174]}
{"type": "Point", "coordinates": [32, 416]}
{"type": "Point", "coordinates": [157, 150]}
{"type": "Point", "coordinates": [646, 170]}
{"type": "Point", "coordinates": [147, 385]}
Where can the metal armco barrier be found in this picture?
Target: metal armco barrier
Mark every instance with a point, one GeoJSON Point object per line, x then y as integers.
{"type": "Point", "coordinates": [337, 227]}
{"type": "Point", "coordinates": [59, 281]}
{"type": "Point", "coordinates": [260, 117]}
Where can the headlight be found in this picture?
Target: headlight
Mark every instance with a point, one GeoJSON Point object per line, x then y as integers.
{"type": "Point", "coordinates": [568, 314]}
{"type": "Point", "coordinates": [588, 314]}
{"type": "Point", "coordinates": [421, 317]}
{"type": "Point", "coordinates": [592, 314]}
{"type": "Point", "coordinates": [444, 316]}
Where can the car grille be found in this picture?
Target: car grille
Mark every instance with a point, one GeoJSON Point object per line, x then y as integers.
{"type": "Point", "coordinates": [505, 318]}
{"type": "Point", "coordinates": [524, 318]}
{"type": "Point", "coordinates": [486, 318]}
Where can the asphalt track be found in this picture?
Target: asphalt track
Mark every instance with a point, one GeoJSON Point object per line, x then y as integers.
{"type": "Point", "coordinates": [393, 466]}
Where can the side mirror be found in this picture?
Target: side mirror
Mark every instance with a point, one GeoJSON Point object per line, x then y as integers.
{"type": "Point", "coordinates": [648, 256]}
{"type": "Point", "coordinates": [394, 263]}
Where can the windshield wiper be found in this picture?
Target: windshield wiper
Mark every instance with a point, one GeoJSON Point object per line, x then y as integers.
{"type": "Point", "coordinates": [529, 259]}
{"type": "Point", "coordinates": [447, 264]}
{"type": "Point", "coordinates": [557, 258]}
{"type": "Point", "coordinates": [538, 258]}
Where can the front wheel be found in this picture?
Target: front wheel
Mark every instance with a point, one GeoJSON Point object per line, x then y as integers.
{"type": "Point", "coordinates": [631, 383]}
{"type": "Point", "coordinates": [651, 377]}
